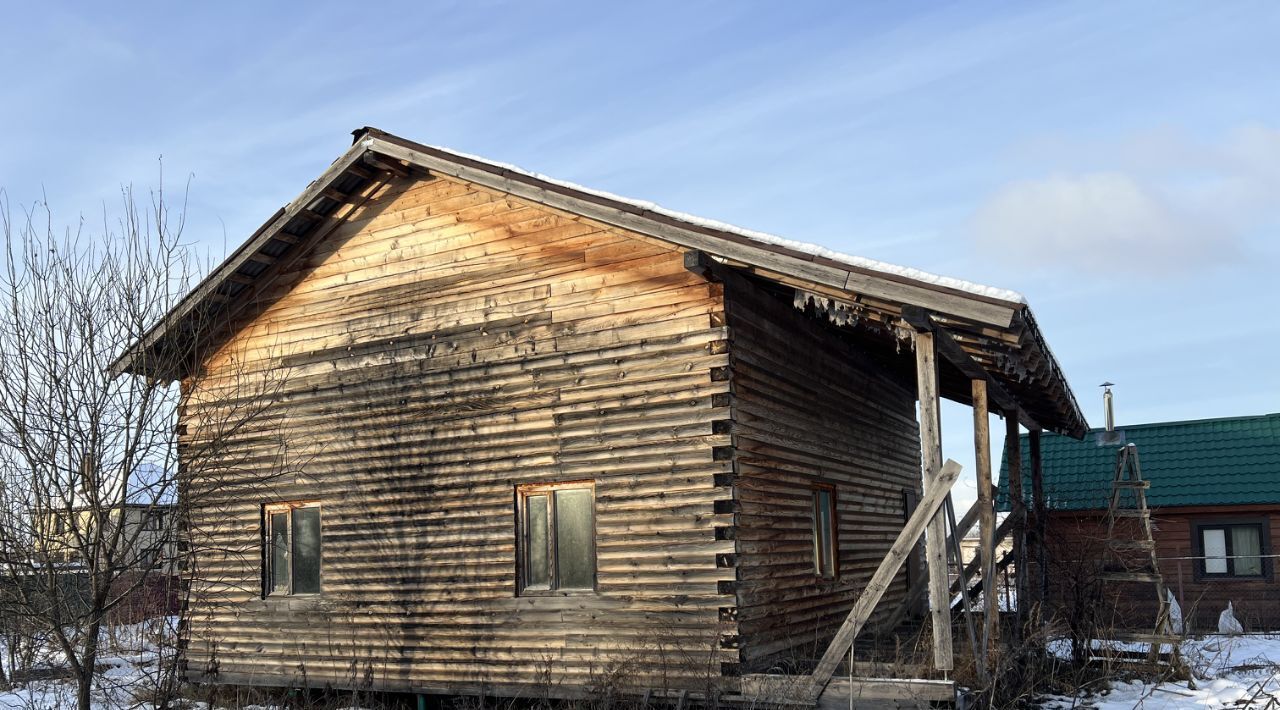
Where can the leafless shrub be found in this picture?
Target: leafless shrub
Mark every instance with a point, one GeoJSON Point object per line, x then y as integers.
{"type": "Point", "coordinates": [88, 456]}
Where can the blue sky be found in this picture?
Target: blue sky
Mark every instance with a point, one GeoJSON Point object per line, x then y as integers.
{"type": "Point", "coordinates": [1119, 163]}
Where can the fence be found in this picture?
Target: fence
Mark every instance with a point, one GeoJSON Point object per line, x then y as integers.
{"type": "Point", "coordinates": [1202, 597]}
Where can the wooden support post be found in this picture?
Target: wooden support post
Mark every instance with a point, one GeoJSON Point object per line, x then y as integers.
{"type": "Point", "coordinates": [1017, 509]}
{"type": "Point", "coordinates": [936, 538]}
{"type": "Point", "coordinates": [986, 518]}
{"type": "Point", "coordinates": [962, 577]}
{"type": "Point", "coordinates": [1040, 518]}
{"type": "Point", "coordinates": [929, 508]}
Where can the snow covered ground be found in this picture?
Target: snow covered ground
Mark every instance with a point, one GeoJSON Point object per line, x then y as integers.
{"type": "Point", "coordinates": [1231, 672]}
{"type": "Point", "coordinates": [128, 667]}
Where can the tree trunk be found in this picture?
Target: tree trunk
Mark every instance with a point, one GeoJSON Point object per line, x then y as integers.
{"type": "Point", "coordinates": [88, 667]}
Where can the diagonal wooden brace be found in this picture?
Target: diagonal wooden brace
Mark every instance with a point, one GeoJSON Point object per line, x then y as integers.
{"type": "Point", "coordinates": [889, 566]}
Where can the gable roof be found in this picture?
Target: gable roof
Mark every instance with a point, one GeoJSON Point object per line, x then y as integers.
{"type": "Point", "coordinates": [1230, 461]}
{"type": "Point", "coordinates": [986, 332]}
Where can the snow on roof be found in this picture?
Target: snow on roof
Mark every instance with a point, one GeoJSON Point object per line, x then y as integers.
{"type": "Point", "coordinates": [859, 262]}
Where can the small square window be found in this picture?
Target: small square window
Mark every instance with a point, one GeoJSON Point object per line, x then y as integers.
{"type": "Point", "coordinates": [825, 562]}
{"type": "Point", "coordinates": [557, 537]}
{"type": "Point", "coordinates": [292, 549]}
{"type": "Point", "coordinates": [1232, 550]}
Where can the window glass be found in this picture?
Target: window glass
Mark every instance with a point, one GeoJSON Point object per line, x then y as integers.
{"type": "Point", "coordinates": [537, 567]}
{"type": "Point", "coordinates": [1215, 551]}
{"type": "Point", "coordinates": [574, 533]}
{"type": "Point", "coordinates": [558, 537]}
{"type": "Point", "coordinates": [279, 565]}
{"type": "Point", "coordinates": [1246, 547]}
{"type": "Point", "coordinates": [823, 533]}
{"type": "Point", "coordinates": [306, 550]}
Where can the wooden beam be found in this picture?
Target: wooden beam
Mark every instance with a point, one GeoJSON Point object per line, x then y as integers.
{"type": "Point", "coordinates": [928, 509]}
{"type": "Point", "coordinates": [954, 353]}
{"type": "Point", "coordinates": [387, 166]}
{"type": "Point", "coordinates": [263, 258]}
{"type": "Point", "coordinates": [1040, 515]}
{"type": "Point", "coordinates": [237, 277]}
{"type": "Point", "coordinates": [1002, 532]}
{"type": "Point", "coordinates": [915, 592]}
{"type": "Point", "coordinates": [935, 549]}
{"type": "Point", "coordinates": [336, 195]}
{"type": "Point", "coordinates": [701, 263]}
{"type": "Point", "coordinates": [892, 692]}
{"type": "Point", "coordinates": [1018, 512]}
{"type": "Point", "coordinates": [986, 519]}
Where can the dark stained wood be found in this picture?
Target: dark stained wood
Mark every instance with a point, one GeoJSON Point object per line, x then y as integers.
{"type": "Point", "coordinates": [807, 410]}
{"type": "Point", "coordinates": [999, 400]}
{"type": "Point", "coordinates": [1018, 513]}
{"type": "Point", "coordinates": [930, 507]}
{"type": "Point", "coordinates": [1040, 516]}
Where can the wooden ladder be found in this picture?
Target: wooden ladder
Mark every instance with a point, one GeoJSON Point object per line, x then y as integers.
{"type": "Point", "coordinates": [1124, 562]}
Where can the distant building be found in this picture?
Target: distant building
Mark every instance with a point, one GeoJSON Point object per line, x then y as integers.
{"type": "Point", "coordinates": [1215, 507]}
{"type": "Point", "coordinates": [147, 532]}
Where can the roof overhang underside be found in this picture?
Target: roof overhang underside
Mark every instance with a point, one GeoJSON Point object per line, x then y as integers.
{"type": "Point", "coordinates": [978, 336]}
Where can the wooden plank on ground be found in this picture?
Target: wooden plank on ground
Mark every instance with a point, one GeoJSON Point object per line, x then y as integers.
{"type": "Point", "coordinates": [911, 691]}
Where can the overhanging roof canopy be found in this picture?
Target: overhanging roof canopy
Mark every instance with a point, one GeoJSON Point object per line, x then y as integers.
{"type": "Point", "coordinates": [983, 332]}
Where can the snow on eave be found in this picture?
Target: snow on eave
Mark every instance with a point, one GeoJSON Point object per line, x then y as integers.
{"type": "Point", "coordinates": [850, 260]}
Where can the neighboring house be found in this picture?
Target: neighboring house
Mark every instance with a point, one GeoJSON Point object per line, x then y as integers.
{"type": "Point", "coordinates": [149, 529]}
{"type": "Point", "coordinates": [970, 545]}
{"type": "Point", "coordinates": [145, 566]}
{"type": "Point", "coordinates": [1215, 499]}
{"type": "Point", "coordinates": [547, 434]}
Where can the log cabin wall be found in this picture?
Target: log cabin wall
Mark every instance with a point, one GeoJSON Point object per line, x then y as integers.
{"type": "Point", "coordinates": [447, 345]}
{"type": "Point", "coordinates": [810, 410]}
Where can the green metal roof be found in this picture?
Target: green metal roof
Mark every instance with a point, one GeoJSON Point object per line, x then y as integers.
{"type": "Point", "coordinates": [1229, 461]}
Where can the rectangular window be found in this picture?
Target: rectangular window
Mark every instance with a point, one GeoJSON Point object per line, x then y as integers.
{"type": "Point", "coordinates": [150, 557]}
{"type": "Point", "coordinates": [824, 531]}
{"type": "Point", "coordinates": [292, 548]}
{"type": "Point", "coordinates": [1232, 549]}
{"type": "Point", "coordinates": [557, 537]}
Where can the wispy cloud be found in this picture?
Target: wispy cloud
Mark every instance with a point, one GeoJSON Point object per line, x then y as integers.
{"type": "Point", "coordinates": [1166, 204]}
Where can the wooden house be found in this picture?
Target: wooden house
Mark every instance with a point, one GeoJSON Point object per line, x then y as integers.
{"type": "Point", "coordinates": [532, 437]}
{"type": "Point", "coordinates": [1214, 498]}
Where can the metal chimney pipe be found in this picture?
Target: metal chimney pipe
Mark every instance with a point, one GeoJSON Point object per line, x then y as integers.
{"type": "Point", "coordinates": [1108, 408]}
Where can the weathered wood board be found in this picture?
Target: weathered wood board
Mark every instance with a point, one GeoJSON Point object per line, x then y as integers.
{"type": "Point", "coordinates": [808, 409]}
{"type": "Point", "coordinates": [451, 343]}
{"type": "Point", "coordinates": [445, 346]}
